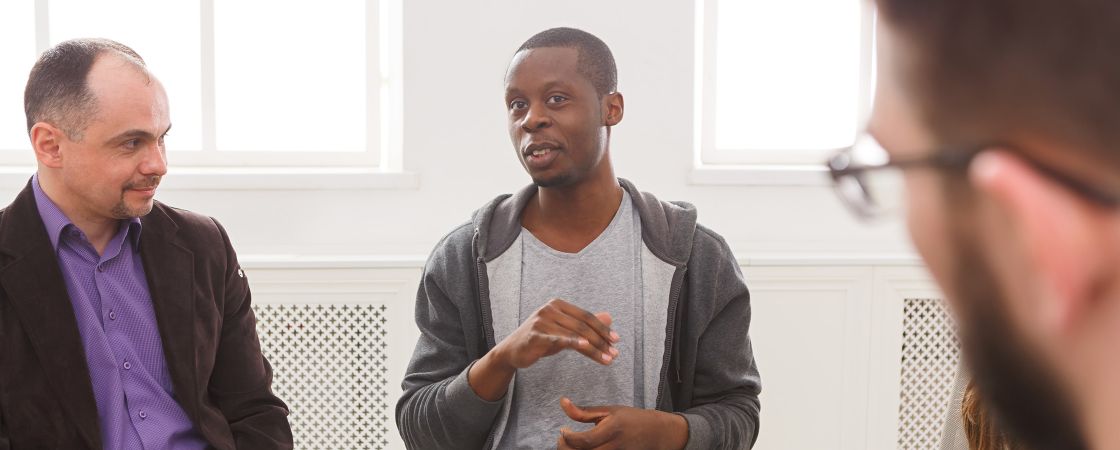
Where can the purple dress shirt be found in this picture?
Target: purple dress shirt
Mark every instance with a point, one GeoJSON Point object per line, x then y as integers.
{"type": "Point", "coordinates": [113, 306]}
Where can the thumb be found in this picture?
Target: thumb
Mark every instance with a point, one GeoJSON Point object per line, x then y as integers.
{"type": "Point", "coordinates": [578, 414]}
{"type": "Point", "coordinates": [604, 317]}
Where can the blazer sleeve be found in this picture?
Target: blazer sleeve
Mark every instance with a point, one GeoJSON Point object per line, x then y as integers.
{"type": "Point", "coordinates": [5, 444]}
{"type": "Point", "coordinates": [241, 383]}
{"type": "Point", "coordinates": [725, 408]}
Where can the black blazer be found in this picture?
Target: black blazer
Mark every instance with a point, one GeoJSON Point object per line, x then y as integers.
{"type": "Point", "coordinates": [202, 306]}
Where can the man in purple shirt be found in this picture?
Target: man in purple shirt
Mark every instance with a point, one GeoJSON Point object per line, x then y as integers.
{"type": "Point", "coordinates": [124, 323]}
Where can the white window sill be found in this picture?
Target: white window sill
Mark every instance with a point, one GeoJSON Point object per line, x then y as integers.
{"type": "Point", "coordinates": [370, 261]}
{"type": "Point", "coordinates": [307, 261]}
{"type": "Point", "coordinates": [759, 175]}
{"type": "Point", "coordinates": [258, 178]}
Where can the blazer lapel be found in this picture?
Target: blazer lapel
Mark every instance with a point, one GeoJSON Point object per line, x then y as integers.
{"type": "Point", "coordinates": [37, 292]}
{"type": "Point", "coordinates": [169, 267]}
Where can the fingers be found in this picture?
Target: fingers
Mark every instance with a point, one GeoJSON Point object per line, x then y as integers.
{"type": "Point", "coordinates": [588, 341]}
{"type": "Point", "coordinates": [588, 319]}
{"type": "Point", "coordinates": [561, 444]}
{"type": "Point", "coordinates": [607, 320]}
{"type": "Point", "coordinates": [585, 415]}
{"type": "Point", "coordinates": [583, 330]}
{"type": "Point", "coordinates": [597, 436]}
{"type": "Point", "coordinates": [550, 338]}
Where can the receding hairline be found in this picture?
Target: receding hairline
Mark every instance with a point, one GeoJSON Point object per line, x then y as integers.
{"type": "Point", "coordinates": [105, 55]}
{"type": "Point", "coordinates": [109, 59]}
{"type": "Point", "coordinates": [58, 89]}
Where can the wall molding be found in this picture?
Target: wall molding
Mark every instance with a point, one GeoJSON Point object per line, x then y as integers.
{"type": "Point", "coordinates": [328, 261]}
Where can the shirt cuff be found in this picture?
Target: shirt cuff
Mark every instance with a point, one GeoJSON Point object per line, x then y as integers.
{"type": "Point", "coordinates": [477, 410]}
{"type": "Point", "coordinates": [699, 432]}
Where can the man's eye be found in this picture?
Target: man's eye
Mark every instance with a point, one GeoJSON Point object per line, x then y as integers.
{"type": "Point", "coordinates": [557, 99]}
{"type": "Point", "coordinates": [518, 104]}
{"type": "Point", "coordinates": [131, 143]}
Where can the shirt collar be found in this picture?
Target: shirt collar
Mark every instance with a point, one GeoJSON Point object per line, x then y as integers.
{"type": "Point", "coordinates": [56, 221]}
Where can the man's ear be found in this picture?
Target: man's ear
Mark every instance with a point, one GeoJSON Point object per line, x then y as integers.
{"type": "Point", "coordinates": [1066, 239]}
{"type": "Point", "coordinates": [613, 106]}
{"type": "Point", "coordinates": [46, 140]}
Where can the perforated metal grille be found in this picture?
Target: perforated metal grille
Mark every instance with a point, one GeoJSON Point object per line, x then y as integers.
{"type": "Point", "coordinates": [929, 366]}
{"type": "Point", "coordinates": [329, 367]}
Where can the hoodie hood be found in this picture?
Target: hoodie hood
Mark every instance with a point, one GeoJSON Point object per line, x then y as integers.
{"type": "Point", "coordinates": [668, 228]}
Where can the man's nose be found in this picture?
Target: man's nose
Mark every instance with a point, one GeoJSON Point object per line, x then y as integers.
{"type": "Point", "coordinates": [536, 117]}
{"type": "Point", "coordinates": [155, 160]}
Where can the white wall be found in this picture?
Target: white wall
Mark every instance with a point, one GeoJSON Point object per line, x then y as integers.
{"type": "Point", "coordinates": [454, 138]}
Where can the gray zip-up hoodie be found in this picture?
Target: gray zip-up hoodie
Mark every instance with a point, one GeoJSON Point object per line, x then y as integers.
{"type": "Point", "coordinates": [701, 365]}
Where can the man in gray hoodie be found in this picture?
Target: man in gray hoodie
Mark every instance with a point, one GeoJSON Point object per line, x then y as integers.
{"type": "Point", "coordinates": [579, 290]}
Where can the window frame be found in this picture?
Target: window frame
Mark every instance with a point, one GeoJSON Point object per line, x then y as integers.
{"type": "Point", "coordinates": [382, 151]}
{"type": "Point", "coordinates": [709, 156]}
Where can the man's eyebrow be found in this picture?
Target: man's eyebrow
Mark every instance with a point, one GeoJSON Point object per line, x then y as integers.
{"type": "Point", "coordinates": [550, 85]}
{"type": "Point", "coordinates": [137, 134]}
{"type": "Point", "coordinates": [131, 134]}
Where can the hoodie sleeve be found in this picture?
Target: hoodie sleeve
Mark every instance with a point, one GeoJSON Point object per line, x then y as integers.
{"type": "Point", "coordinates": [725, 409]}
{"type": "Point", "coordinates": [439, 409]}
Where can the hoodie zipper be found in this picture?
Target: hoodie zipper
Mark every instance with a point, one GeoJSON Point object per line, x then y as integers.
{"type": "Point", "coordinates": [484, 296]}
{"type": "Point", "coordinates": [484, 305]}
{"type": "Point", "coordinates": [670, 335]}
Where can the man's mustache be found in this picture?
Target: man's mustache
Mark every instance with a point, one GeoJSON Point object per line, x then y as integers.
{"type": "Point", "coordinates": [146, 183]}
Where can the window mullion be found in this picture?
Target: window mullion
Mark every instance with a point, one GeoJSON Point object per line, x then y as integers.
{"type": "Point", "coordinates": [206, 53]}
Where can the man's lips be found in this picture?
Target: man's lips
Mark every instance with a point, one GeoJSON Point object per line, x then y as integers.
{"type": "Point", "coordinates": [539, 147]}
{"type": "Point", "coordinates": [541, 158]}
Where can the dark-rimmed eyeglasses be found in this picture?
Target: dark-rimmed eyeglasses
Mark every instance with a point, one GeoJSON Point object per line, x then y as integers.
{"type": "Point", "coordinates": [870, 182]}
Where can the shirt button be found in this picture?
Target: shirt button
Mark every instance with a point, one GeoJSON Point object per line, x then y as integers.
{"type": "Point", "coordinates": [100, 268]}
{"type": "Point", "coordinates": [127, 365]}
{"type": "Point", "coordinates": [112, 315]}
{"type": "Point", "coordinates": [143, 415]}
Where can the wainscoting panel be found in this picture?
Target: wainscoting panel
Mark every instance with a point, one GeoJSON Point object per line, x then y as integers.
{"type": "Point", "coordinates": [852, 356]}
{"type": "Point", "coordinates": [810, 333]}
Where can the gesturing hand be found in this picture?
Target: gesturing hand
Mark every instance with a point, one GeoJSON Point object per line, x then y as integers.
{"type": "Point", "coordinates": [556, 326]}
{"type": "Point", "coordinates": [623, 427]}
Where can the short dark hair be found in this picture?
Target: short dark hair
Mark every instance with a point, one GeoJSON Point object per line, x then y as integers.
{"type": "Point", "coordinates": [1001, 69]}
{"type": "Point", "coordinates": [57, 90]}
{"type": "Point", "coordinates": [595, 59]}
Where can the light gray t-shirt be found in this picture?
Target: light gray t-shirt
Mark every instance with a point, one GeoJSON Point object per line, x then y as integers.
{"type": "Point", "coordinates": [604, 276]}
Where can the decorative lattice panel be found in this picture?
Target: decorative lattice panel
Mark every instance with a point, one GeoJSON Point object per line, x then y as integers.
{"type": "Point", "coordinates": [329, 367]}
{"type": "Point", "coordinates": [929, 366]}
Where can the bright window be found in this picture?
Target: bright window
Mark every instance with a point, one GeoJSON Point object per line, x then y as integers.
{"type": "Point", "coordinates": [781, 82]}
{"type": "Point", "coordinates": [251, 82]}
{"type": "Point", "coordinates": [17, 32]}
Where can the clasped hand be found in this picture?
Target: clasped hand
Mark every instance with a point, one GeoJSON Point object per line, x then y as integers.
{"type": "Point", "coordinates": [623, 427]}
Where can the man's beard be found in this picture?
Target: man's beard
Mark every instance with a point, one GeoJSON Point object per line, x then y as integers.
{"type": "Point", "coordinates": [1025, 396]}
{"type": "Point", "coordinates": [122, 211]}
